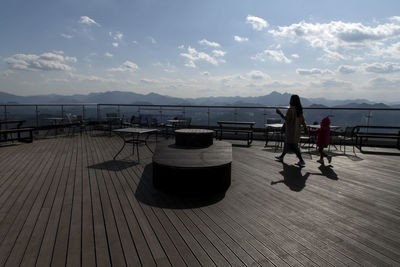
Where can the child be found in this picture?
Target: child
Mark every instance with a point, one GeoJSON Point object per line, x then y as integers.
{"type": "Point", "coordinates": [323, 139]}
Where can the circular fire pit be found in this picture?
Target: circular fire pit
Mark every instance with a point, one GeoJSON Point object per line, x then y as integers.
{"type": "Point", "coordinates": [193, 164]}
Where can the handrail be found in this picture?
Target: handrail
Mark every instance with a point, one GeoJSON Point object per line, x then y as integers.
{"type": "Point", "coordinates": [201, 106]}
{"type": "Point", "coordinates": [185, 110]}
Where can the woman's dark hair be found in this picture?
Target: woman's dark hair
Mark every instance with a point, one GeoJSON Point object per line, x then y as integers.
{"type": "Point", "coordinates": [295, 101]}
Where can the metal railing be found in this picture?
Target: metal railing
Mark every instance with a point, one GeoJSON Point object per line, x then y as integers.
{"type": "Point", "coordinates": [205, 116]}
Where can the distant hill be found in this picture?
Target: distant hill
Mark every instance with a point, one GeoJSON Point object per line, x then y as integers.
{"type": "Point", "coordinates": [118, 97]}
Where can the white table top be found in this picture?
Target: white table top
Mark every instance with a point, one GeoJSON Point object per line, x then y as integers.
{"type": "Point", "coordinates": [135, 130]}
{"type": "Point", "coordinates": [274, 125]}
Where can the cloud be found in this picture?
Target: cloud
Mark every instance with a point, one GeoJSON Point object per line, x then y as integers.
{"type": "Point", "coordinates": [313, 71]}
{"type": "Point", "coordinates": [379, 83]}
{"type": "Point", "coordinates": [127, 66]}
{"type": "Point", "coordinates": [387, 67]}
{"type": "Point", "coordinates": [392, 51]}
{"type": "Point", "coordinates": [276, 55]}
{"type": "Point", "coordinates": [332, 83]}
{"type": "Point", "coordinates": [295, 56]}
{"type": "Point", "coordinates": [88, 21]}
{"type": "Point", "coordinates": [257, 23]}
{"type": "Point", "coordinates": [395, 19]}
{"type": "Point", "coordinates": [116, 36]}
{"type": "Point", "coordinates": [44, 62]}
{"type": "Point", "coordinates": [240, 39]}
{"type": "Point", "coordinates": [193, 55]}
{"type": "Point", "coordinates": [258, 75]}
{"type": "Point", "coordinates": [107, 54]}
{"type": "Point", "coordinates": [218, 53]}
{"type": "Point", "coordinates": [347, 69]}
{"type": "Point", "coordinates": [115, 44]}
{"type": "Point", "coordinates": [66, 36]}
{"type": "Point", "coordinates": [337, 37]}
{"type": "Point", "coordinates": [208, 43]}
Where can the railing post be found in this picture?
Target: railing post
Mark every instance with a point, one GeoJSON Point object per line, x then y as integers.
{"type": "Point", "coordinates": [208, 116]}
{"type": "Point", "coordinates": [83, 112]}
{"type": "Point", "coordinates": [5, 112]}
{"type": "Point", "coordinates": [184, 112]}
{"type": "Point", "coordinates": [98, 112]}
{"type": "Point", "coordinates": [235, 114]}
{"type": "Point", "coordinates": [62, 111]}
{"type": "Point", "coordinates": [37, 115]}
{"type": "Point", "coordinates": [161, 115]}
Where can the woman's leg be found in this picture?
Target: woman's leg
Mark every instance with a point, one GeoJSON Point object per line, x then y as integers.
{"type": "Point", "coordinates": [296, 149]}
{"type": "Point", "coordinates": [285, 150]}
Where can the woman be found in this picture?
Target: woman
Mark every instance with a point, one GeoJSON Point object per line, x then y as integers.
{"type": "Point", "coordinates": [293, 120]}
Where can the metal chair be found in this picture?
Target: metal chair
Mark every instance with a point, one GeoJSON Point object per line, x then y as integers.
{"type": "Point", "coordinates": [347, 138]}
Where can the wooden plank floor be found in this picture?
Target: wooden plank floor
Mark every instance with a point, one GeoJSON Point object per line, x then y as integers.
{"type": "Point", "coordinates": [65, 202]}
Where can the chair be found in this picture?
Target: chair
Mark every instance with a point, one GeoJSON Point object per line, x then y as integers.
{"type": "Point", "coordinates": [346, 138]}
{"type": "Point", "coordinates": [134, 122]}
{"type": "Point", "coordinates": [306, 139]}
{"type": "Point", "coordinates": [273, 134]}
{"type": "Point", "coordinates": [71, 123]}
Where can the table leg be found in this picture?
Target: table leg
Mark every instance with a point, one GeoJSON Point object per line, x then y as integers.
{"type": "Point", "coordinates": [123, 138]}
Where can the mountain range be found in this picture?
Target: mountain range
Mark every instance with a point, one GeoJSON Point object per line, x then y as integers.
{"type": "Point", "coordinates": [118, 97]}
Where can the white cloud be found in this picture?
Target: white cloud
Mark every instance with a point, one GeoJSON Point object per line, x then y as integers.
{"type": "Point", "coordinates": [127, 66]}
{"type": "Point", "coordinates": [332, 83]}
{"type": "Point", "coordinates": [193, 55]}
{"type": "Point", "coordinates": [392, 51]}
{"type": "Point", "coordinates": [66, 36]}
{"type": "Point", "coordinates": [276, 55]}
{"type": "Point", "coordinates": [395, 19]}
{"type": "Point", "coordinates": [88, 21]}
{"type": "Point", "coordinates": [257, 23]}
{"type": "Point", "coordinates": [240, 39]}
{"type": "Point", "coordinates": [336, 37]}
{"type": "Point", "coordinates": [44, 62]}
{"type": "Point", "coordinates": [181, 47]}
{"type": "Point", "coordinates": [208, 43]}
{"type": "Point", "coordinates": [116, 36]}
{"type": "Point", "coordinates": [258, 75]}
{"type": "Point", "coordinates": [107, 54]}
{"type": "Point", "coordinates": [387, 67]}
{"type": "Point", "coordinates": [313, 71]}
{"type": "Point", "coordinates": [383, 83]}
{"type": "Point", "coordinates": [115, 44]}
{"type": "Point", "coordinates": [218, 53]}
{"type": "Point", "coordinates": [295, 56]}
{"type": "Point", "coordinates": [347, 69]}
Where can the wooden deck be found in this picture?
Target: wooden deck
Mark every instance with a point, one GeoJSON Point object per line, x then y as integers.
{"type": "Point", "coordinates": [64, 201]}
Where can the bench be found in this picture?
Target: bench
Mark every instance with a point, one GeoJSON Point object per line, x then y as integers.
{"type": "Point", "coordinates": [7, 135]}
{"type": "Point", "coordinates": [237, 127]}
{"type": "Point", "coordinates": [379, 132]}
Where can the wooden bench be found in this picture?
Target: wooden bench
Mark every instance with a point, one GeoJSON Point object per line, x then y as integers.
{"type": "Point", "coordinates": [378, 133]}
{"type": "Point", "coordinates": [8, 135]}
{"type": "Point", "coordinates": [236, 127]}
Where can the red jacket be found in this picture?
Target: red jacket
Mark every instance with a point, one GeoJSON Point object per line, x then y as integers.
{"type": "Point", "coordinates": [323, 133]}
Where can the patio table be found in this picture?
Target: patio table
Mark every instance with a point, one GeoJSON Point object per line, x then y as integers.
{"type": "Point", "coordinates": [135, 134]}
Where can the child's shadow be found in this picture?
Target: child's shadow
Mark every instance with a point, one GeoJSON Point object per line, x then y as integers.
{"type": "Point", "coordinates": [292, 177]}
{"type": "Point", "coordinates": [326, 170]}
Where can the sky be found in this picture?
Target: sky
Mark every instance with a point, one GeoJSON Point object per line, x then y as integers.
{"type": "Point", "coordinates": [186, 48]}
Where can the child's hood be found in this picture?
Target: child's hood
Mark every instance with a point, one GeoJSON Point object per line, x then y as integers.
{"type": "Point", "coordinates": [325, 121]}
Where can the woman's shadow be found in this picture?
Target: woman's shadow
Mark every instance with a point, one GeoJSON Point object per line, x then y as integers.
{"type": "Point", "coordinates": [292, 177]}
